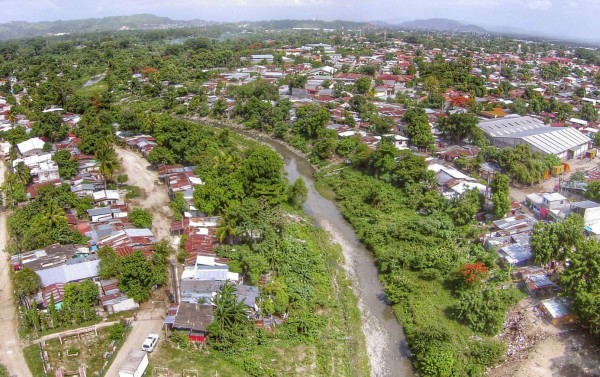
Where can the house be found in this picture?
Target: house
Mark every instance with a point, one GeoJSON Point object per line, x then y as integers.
{"type": "Point", "coordinates": [106, 197]}
{"type": "Point", "coordinates": [112, 299]}
{"type": "Point", "coordinates": [534, 203]}
{"type": "Point", "coordinates": [558, 310]}
{"type": "Point", "coordinates": [247, 294]}
{"type": "Point", "coordinates": [589, 210]}
{"type": "Point", "coordinates": [553, 200]}
{"type": "Point", "coordinates": [42, 167]}
{"type": "Point", "coordinates": [57, 291]}
{"type": "Point", "coordinates": [515, 254]}
{"type": "Point", "coordinates": [555, 207]}
{"type": "Point", "coordinates": [71, 270]}
{"type": "Point", "coordinates": [30, 147]}
{"type": "Point", "coordinates": [105, 213]}
{"type": "Point", "coordinates": [259, 58]}
{"type": "Point", "coordinates": [193, 319]}
{"type": "Point", "coordinates": [521, 223]}
{"type": "Point", "coordinates": [538, 284]}
{"type": "Point", "coordinates": [444, 174]}
{"type": "Point", "coordinates": [194, 291]}
{"type": "Point", "coordinates": [207, 268]}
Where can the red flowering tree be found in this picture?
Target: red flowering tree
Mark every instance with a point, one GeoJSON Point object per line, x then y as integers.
{"type": "Point", "coordinates": [474, 272]}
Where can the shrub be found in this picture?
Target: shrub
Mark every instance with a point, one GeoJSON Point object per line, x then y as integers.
{"type": "Point", "coordinates": [181, 339]}
{"type": "Point", "coordinates": [141, 218]}
{"type": "Point", "coordinates": [116, 331]}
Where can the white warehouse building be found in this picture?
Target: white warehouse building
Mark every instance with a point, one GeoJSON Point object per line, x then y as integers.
{"type": "Point", "coordinates": [564, 142]}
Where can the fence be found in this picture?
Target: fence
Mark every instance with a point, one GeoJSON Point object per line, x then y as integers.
{"type": "Point", "coordinates": [126, 324]}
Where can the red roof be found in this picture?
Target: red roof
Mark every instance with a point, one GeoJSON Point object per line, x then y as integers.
{"type": "Point", "coordinates": [123, 251]}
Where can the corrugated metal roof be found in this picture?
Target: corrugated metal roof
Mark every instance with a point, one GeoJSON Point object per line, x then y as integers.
{"type": "Point", "coordinates": [510, 125]}
{"type": "Point", "coordinates": [68, 273]}
{"type": "Point", "coordinates": [551, 140]}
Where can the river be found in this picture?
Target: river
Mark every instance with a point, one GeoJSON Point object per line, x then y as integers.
{"type": "Point", "coordinates": [386, 344]}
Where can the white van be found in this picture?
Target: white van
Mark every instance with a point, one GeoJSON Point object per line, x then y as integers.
{"type": "Point", "coordinates": [150, 343]}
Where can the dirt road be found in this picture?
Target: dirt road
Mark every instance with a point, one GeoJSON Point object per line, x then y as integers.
{"type": "Point", "coordinates": [149, 321]}
{"type": "Point", "coordinates": [154, 196]}
{"type": "Point", "coordinates": [11, 353]}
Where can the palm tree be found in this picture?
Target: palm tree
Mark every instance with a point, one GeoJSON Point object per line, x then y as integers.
{"type": "Point", "coordinates": [228, 311]}
{"type": "Point", "coordinates": [22, 173]}
{"type": "Point", "coordinates": [11, 117]}
{"type": "Point", "coordinates": [54, 214]}
{"type": "Point", "coordinates": [226, 229]}
{"type": "Point", "coordinates": [107, 163]}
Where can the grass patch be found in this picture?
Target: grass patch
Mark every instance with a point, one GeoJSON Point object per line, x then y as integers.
{"type": "Point", "coordinates": [352, 322]}
{"type": "Point", "coordinates": [324, 190]}
{"type": "Point", "coordinates": [167, 355]}
{"type": "Point", "coordinates": [33, 360]}
{"type": "Point", "coordinates": [131, 192]}
{"type": "Point", "coordinates": [92, 90]}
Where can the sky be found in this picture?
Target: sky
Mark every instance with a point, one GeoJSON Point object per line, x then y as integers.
{"type": "Point", "coordinates": [564, 18]}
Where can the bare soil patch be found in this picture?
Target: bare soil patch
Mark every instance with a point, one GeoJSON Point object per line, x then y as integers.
{"type": "Point", "coordinates": [153, 196]}
{"type": "Point", "coordinates": [539, 349]}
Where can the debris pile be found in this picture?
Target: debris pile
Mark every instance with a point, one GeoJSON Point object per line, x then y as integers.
{"type": "Point", "coordinates": [519, 340]}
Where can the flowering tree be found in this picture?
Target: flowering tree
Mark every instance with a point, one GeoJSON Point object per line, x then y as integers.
{"type": "Point", "coordinates": [474, 272]}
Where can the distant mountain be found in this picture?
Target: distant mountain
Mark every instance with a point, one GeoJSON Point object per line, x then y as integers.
{"type": "Point", "coordinates": [442, 24]}
{"type": "Point", "coordinates": [304, 24]}
{"type": "Point", "coordinates": [21, 29]}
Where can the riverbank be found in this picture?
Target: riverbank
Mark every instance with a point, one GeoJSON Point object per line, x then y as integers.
{"type": "Point", "coordinates": [385, 342]}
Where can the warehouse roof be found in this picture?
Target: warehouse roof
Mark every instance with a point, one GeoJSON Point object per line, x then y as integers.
{"type": "Point", "coordinates": [551, 140]}
{"type": "Point", "coordinates": [510, 125]}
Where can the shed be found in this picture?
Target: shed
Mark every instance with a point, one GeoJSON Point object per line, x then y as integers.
{"type": "Point", "coordinates": [558, 310]}
{"type": "Point", "coordinates": [538, 284]}
{"type": "Point", "coordinates": [516, 255]}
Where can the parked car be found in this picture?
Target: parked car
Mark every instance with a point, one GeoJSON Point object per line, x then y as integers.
{"type": "Point", "coordinates": [150, 343]}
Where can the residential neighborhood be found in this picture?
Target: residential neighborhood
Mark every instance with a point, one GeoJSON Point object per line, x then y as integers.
{"type": "Point", "coordinates": [240, 204]}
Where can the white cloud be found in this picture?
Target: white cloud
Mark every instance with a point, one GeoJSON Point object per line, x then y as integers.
{"type": "Point", "coordinates": [538, 4]}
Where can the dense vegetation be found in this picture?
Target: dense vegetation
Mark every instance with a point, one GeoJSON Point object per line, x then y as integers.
{"type": "Point", "coordinates": [77, 308]}
{"type": "Point", "coordinates": [43, 221]}
{"type": "Point", "coordinates": [137, 275]}
{"type": "Point", "coordinates": [244, 184]}
{"type": "Point", "coordinates": [445, 288]}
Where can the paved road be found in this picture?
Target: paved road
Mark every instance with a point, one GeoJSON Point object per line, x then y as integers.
{"type": "Point", "coordinates": [149, 321]}
{"type": "Point", "coordinates": [11, 353]}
